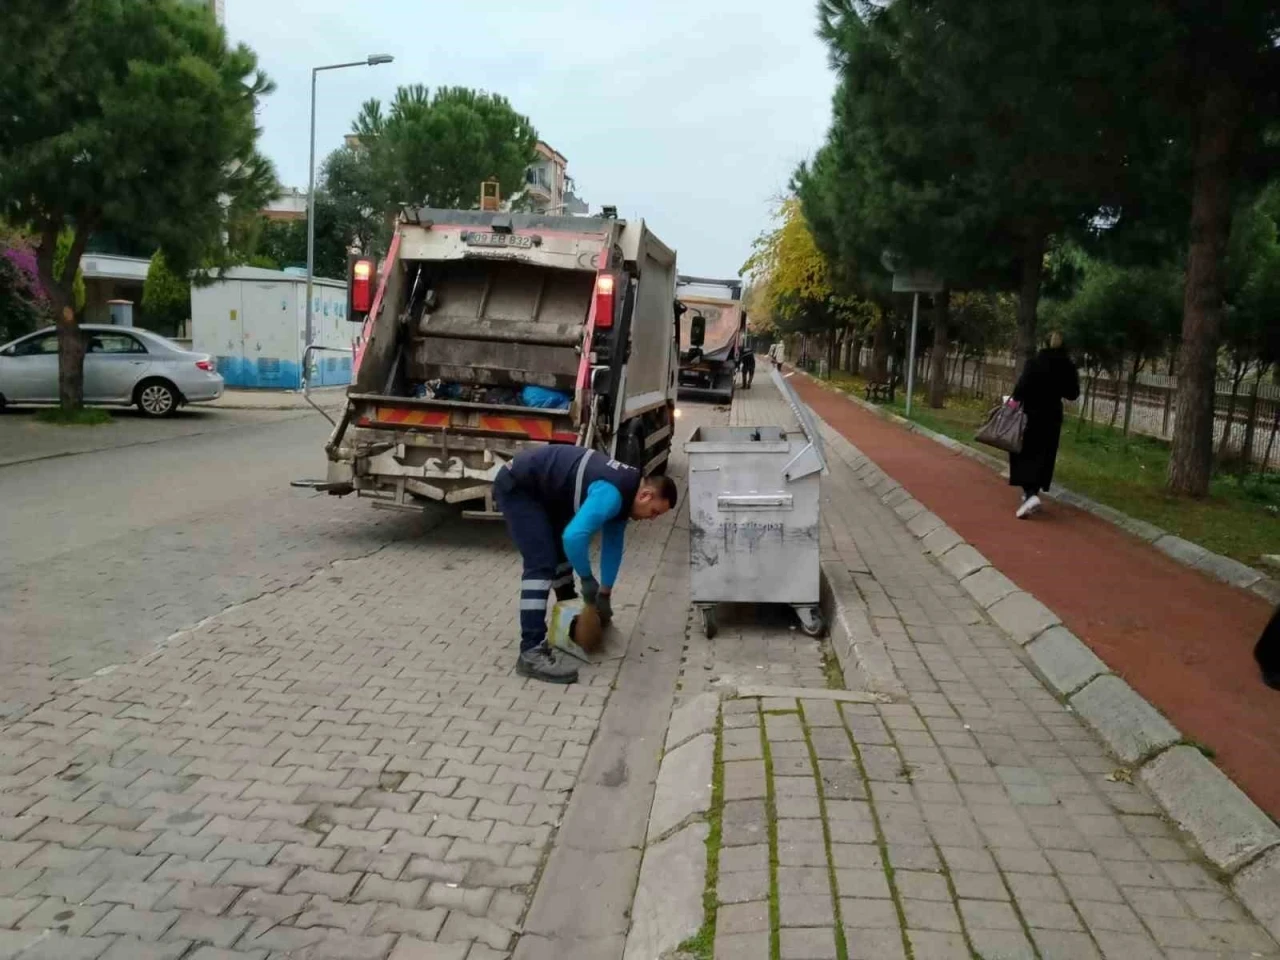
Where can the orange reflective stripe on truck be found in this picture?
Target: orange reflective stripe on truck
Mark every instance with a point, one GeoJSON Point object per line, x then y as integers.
{"type": "Point", "coordinates": [535, 428]}
{"type": "Point", "coordinates": [405, 417]}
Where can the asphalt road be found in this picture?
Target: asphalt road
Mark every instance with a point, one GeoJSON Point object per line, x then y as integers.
{"type": "Point", "coordinates": [122, 535]}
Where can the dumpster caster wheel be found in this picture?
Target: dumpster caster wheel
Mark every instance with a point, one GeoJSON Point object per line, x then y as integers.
{"type": "Point", "coordinates": [811, 621]}
{"type": "Point", "coordinates": [709, 624]}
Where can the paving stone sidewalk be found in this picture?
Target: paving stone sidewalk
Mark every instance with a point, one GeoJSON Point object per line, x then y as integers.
{"type": "Point", "coordinates": [975, 816]}
{"type": "Point", "coordinates": [347, 768]}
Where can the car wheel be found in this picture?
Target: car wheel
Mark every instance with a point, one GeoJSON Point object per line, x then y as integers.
{"type": "Point", "coordinates": [156, 398]}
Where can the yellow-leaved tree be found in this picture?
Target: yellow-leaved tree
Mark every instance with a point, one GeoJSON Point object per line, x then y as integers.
{"type": "Point", "coordinates": [792, 285]}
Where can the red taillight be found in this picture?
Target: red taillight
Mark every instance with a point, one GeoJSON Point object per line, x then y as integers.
{"type": "Point", "coordinates": [604, 302]}
{"type": "Point", "coordinates": [362, 286]}
{"type": "Point", "coordinates": [206, 365]}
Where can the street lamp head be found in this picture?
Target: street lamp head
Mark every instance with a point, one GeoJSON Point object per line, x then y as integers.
{"type": "Point", "coordinates": [377, 58]}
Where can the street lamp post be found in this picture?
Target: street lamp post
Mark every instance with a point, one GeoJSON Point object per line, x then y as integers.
{"type": "Point", "coordinates": [372, 60]}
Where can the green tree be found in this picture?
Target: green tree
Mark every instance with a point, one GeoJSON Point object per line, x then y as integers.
{"type": "Point", "coordinates": [166, 295]}
{"type": "Point", "coordinates": [283, 243]}
{"type": "Point", "coordinates": [436, 148]}
{"type": "Point", "coordinates": [62, 250]}
{"type": "Point", "coordinates": [356, 204]}
{"type": "Point", "coordinates": [1251, 331]}
{"type": "Point", "coordinates": [984, 128]}
{"type": "Point", "coordinates": [1223, 96]}
{"type": "Point", "coordinates": [794, 282]}
{"type": "Point", "coordinates": [124, 115]}
{"type": "Point", "coordinates": [1121, 319]}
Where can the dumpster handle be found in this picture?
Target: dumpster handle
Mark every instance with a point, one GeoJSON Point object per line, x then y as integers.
{"type": "Point", "coordinates": [755, 501]}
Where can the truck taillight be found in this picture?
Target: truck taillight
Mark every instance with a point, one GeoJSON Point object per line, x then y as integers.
{"type": "Point", "coordinates": [604, 302]}
{"type": "Point", "coordinates": [362, 286]}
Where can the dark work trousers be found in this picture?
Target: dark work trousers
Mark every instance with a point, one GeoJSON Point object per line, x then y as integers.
{"type": "Point", "coordinates": [540, 539]}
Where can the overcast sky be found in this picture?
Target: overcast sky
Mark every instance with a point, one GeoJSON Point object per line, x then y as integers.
{"type": "Point", "coordinates": [689, 113]}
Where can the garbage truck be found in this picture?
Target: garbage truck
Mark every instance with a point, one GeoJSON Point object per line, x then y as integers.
{"type": "Point", "coordinates": [484, 333]}
{"type": "Point", "coordinates": [712, 326]}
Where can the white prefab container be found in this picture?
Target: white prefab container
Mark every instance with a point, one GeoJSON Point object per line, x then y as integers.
{"type": "Point", "coordinates": [253, 322]}
{"type": "Point", "coordinates": [754, 516]}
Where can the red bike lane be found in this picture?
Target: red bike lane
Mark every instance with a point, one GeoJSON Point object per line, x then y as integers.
{"type": "Point", "coordinates": [1181, 639]}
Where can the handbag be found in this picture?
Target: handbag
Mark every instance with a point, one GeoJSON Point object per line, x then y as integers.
{"type": "Point", "coordinates": [1004, 428]}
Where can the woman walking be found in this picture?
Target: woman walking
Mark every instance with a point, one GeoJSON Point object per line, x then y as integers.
{"type": "Point", "coordinates": [1047, 380]}
{"type": "Point", "coordinates": [1267, 652]}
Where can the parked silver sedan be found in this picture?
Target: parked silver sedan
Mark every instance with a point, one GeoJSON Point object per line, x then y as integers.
{"type": "Point", "coordinates": [122, 365]}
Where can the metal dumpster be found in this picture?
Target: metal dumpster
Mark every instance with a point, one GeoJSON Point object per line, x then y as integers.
{"type": "Point", "coordinates": [754, 516]}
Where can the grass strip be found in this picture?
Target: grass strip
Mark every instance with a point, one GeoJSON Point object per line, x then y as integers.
{"type": "Point", "coordinates": [701, 946]}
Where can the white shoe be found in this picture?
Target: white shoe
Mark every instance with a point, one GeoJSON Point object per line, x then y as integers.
{"type": "Point", "coordinates": [1029, 506]}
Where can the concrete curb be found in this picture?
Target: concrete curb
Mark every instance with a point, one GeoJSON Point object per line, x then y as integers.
{"type": "Point", "coordinates": [667, 909]}
{"type": "Point", "coordinates": [858, 649]}
{"type": "Point", "coordinates": [1232, 831]}
{"type": "Point", "coordinates": [329, 398]}
{"type": "Point", "coordinates": [1231, 572]}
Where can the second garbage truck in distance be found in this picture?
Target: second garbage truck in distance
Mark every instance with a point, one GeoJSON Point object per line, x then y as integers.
{"type": "Point", "coordinates": [712, 326]}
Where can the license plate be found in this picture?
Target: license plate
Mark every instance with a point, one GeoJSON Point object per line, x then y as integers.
{"type": "Point", "coordinates": [498, 240]}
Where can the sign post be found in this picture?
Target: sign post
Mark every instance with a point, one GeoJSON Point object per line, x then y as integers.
{"type": "Point", "coordinates": [914, 282]}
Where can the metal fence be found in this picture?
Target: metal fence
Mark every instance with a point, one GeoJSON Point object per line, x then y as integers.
{"type": "Point", "coordinates": [1251, 423]}
{"type": "Point", "coordinates": [1154, 411]}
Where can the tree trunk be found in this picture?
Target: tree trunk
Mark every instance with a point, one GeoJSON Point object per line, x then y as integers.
{"type": "Point", "coordinates": [855, 356]}
{"type": "Point", "coordinates": [880, 352]}
{"type": "Point", "coordinates": [1236, 376]}
{"type": "Point", "coordinates": [1250, 427]}
{"type": "Point", "coordinates": [1134, 370]}
{"type": "Point", "coordinates": [1271, 440]}
{"type": "Point", "coordinates": [1116, 376]}
{"type": "Point", "coordinates": [938, 355]}
{"type": "Point", "coordinates": [1029, 297]}
{"type": "Point", "coordinates": [1191, 461]}
{"type": "Point", "coordinates": [61, 292]}
{"type": "Point", "coordinates": [1084, 401]}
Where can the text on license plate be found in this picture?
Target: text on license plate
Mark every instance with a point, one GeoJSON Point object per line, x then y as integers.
{"type": "Point", "coordinates": [497, 240]}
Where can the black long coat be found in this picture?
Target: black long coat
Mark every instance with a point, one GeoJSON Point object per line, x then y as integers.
{"type": "Point", "coordinates": [1267, 652]}
{"type": "Point", "coordinates": [1048, 379]}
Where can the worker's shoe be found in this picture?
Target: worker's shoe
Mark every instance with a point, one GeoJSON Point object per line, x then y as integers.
{"type": "Point", "coordinates": [546, 664]}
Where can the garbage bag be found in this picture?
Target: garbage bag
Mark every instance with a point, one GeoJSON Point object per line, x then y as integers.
{"type": "Point", "coordinates": [543, 398]}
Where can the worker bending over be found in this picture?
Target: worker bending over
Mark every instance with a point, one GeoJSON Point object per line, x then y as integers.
{"type": "Point", "coordinates": [554, 499]}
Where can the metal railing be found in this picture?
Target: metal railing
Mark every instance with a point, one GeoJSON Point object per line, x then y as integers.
{"type": "Point", "coordinates": [306, 380]}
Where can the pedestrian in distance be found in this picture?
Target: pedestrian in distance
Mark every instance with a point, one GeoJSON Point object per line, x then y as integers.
{"type": "Point", "coordinates": [1048, 379]}
{"type": "Point", "coordinates": [555, 498]}
{"type": "Point", "coordinates": [747, 364]}
{"type": "Point", "coordinates": [1267, 652]}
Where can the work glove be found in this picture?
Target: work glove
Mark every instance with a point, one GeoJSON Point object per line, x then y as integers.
{"type": "Point", "coordinates": [605, 607]}
{"type": "Point", "coordinates": [590, 590]}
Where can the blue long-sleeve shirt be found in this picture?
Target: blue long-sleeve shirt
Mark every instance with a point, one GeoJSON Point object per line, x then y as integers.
{"type": "Point", "coordinates": [601, 510]}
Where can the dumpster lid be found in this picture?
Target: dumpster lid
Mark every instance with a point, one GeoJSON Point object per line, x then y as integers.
{"type": "Point", "coordinates": [812, 458]}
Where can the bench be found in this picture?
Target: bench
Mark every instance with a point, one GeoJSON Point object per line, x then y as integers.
{"type": "Point", "coordinates": [880, 391]}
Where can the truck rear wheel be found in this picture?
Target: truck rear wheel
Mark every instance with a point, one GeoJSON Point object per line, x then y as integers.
{"type": "Point", "coordinates": [631, 446]}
